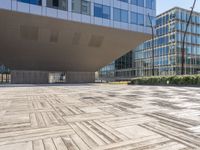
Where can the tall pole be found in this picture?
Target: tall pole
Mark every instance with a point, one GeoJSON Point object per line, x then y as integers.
{"type": "Point", "coordinates": [152, 34]}
{"type": "Point", "coordinates": [184, 36]}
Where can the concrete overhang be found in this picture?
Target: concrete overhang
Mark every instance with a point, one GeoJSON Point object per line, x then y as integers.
{"type": "Point", "coordinates": [31, 42]}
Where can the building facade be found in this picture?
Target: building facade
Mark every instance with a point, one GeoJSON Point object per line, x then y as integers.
{"type": "Point", "coordinates": [123, 14]}
{"type": "Point", "coordinates": [71, 35]}
{"type": "Point", "coordinates": [169, 28]}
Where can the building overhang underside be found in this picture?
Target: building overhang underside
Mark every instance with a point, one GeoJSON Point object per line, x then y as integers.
{"type": "Point", "coordinates": [31, 42]}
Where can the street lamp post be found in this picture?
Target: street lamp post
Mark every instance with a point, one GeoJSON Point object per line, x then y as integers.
{"type": "Point", "coordinates": [152, 34]}
{"type": "Point", "coordinates": [184, 36]}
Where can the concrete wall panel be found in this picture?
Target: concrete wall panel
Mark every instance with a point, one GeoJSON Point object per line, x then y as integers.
{"type": "Point", "coordinates": [29, 77]}
{"type": "Point", "coordinates": [80, 77]}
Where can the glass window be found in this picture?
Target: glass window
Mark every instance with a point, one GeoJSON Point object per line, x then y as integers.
{"type": "Point", "coordinates": [35, 2]}
{"type": "Point", "coordinates": [198, 19]}
{"type": "Point", "coordinates": [55, 3]}
{"type": "Point", "coordinates": [150, 4]}
{"type": "Point", "coordinates": [106, 12]}
{"type": "Point", "coordinates": [193, 39]}
{"type": "Point", "coordinates": [138, 2]}
{"type": "Point", "coordinates": [58, 4]}
{"type": "Point", "coordinates": [116, 14]}
{"type": "Point", "coordinates": [85, 7]}
{"type": "Point", "coordinates": [198, 50]}
{"type": "Point", "coordinates": [141, 19]}
{"type": "Point", "coordinates": [81, 6]}
{"type": "Point", "coordinates": [98, 9]}
{"type": "Point", "coordinates": [183, 16]}
{"type": "Point", "coordinates": [141, 3]}
{"type": "Point", "coordinates": [124, 16]}
{"type": "Point", "coordinates": [134, 18]}
{"type": "Point", "coordinates": [120, 15]}
{"type": "Point", "coordinates": [198, 29]}
{"type": "Point", "coordinates": [101, 11]}
{"type": "Point", "coordinates": [193, 28]}
{"type": "Point", "coordinates": [134, 2]}
{"type": "Point", "coordinates": [193, 19]}
{"type": "Point", "coordinates": [178, 15]}
{"type": "Point", "coordinates": [63, 4]}
{"type": "Point", "coordinates": [126, 1]}
{"type": "Point", "coordinates": [148, 22]}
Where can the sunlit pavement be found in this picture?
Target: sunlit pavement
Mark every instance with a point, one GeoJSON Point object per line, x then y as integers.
{"type": "Point", "coordinates": [99, 116]}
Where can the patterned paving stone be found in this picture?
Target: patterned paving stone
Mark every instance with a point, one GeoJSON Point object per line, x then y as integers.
{"type": "Point", "coordinates": [99, 117]}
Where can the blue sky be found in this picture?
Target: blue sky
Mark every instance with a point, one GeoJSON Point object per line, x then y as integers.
{"type": "Point", "coordinates": [163, 5]}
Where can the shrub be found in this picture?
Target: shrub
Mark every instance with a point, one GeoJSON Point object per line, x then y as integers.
{"type": "Point", "coordinates": [168, 80]}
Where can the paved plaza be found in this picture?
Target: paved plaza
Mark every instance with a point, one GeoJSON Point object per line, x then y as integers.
{"type": "Point", "coordinates": [98, 117]}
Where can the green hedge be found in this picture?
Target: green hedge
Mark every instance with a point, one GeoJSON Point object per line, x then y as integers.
{"type": "Point", "coordinates": [168, 80]}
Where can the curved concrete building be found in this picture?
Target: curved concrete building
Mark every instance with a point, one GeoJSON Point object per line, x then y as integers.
{"type": "Point", "coordinates": [70, 35]}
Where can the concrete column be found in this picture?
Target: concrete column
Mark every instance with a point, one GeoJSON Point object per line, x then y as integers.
{"type": "Point", "coordinates": [29, 77]}
{"type": "Point", "coordinates": [80, 77]}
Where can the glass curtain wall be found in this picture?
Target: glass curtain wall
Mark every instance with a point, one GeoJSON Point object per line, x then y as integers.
{"type": "Point", "coordinates": [170, 27]}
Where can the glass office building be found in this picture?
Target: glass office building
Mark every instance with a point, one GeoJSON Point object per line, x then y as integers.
{"type": "Point", "coordinates": [169, 29]}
